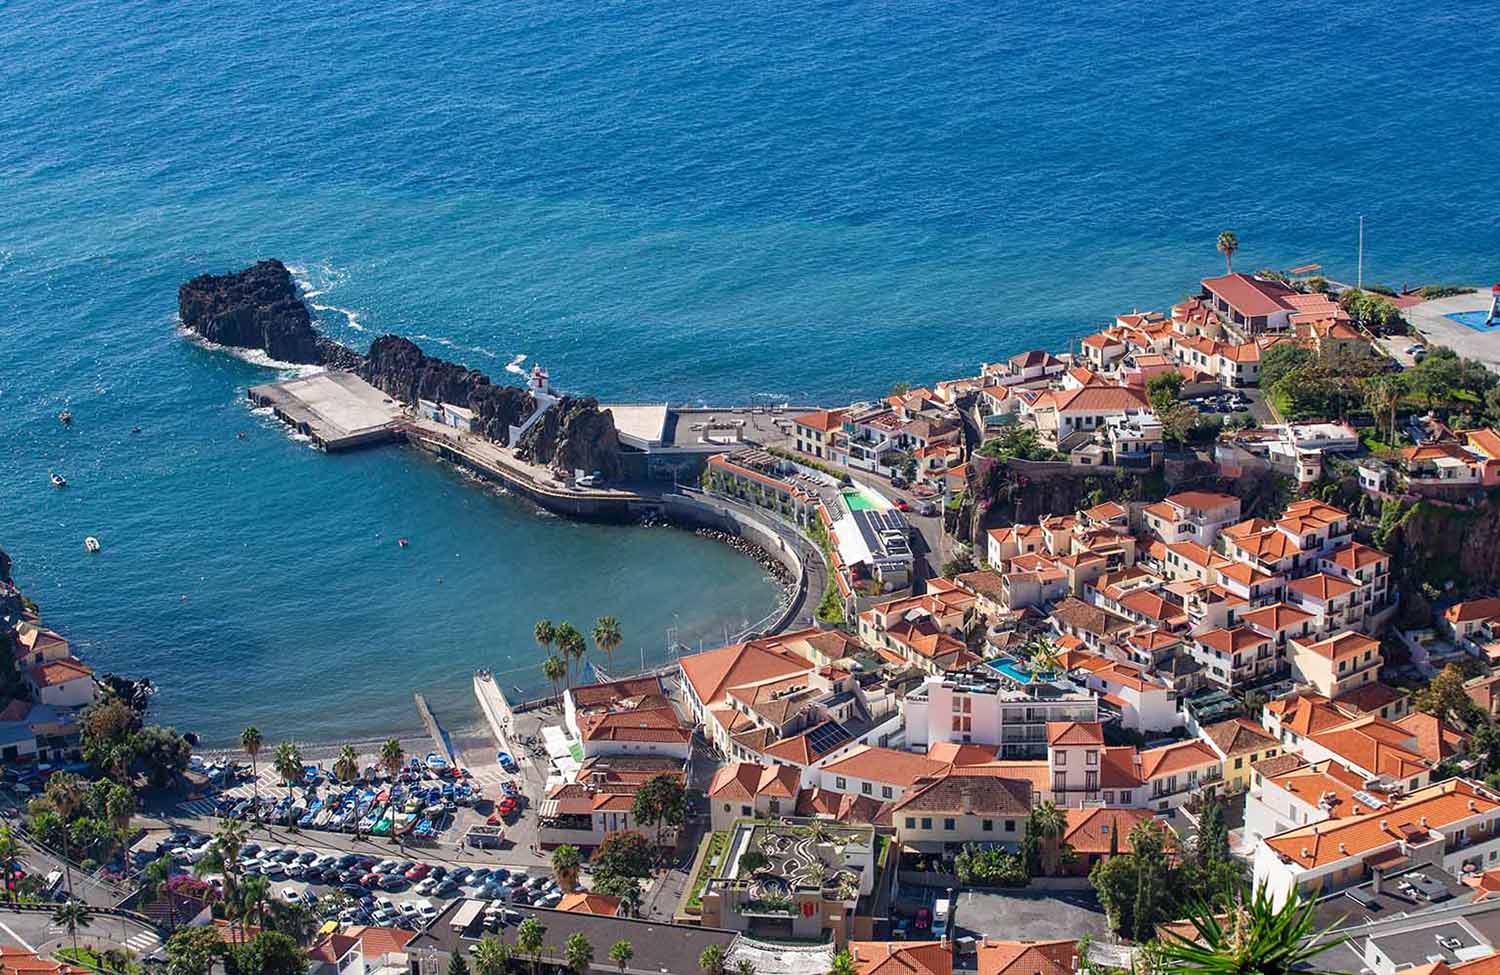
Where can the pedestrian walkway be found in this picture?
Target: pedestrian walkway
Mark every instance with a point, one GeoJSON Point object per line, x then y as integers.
{"type": "Point", "coordinates": [143, 942]}
{"type": "Point", "coordinates": [197, 807]}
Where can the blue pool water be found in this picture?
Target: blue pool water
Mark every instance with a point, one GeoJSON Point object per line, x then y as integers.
{"type": "Point", "coordinates": [1009, 668]}
{"type": "Point", "coordinates": [658, 200]}
{"type": "Point", "coordinates": [1474, 319]}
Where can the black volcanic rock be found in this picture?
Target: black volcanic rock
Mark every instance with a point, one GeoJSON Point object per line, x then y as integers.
{"type": "Point", "coordinates": [399, 368]}
{"type": "Point", "coordinates": [574, 435]}
{"type": "Point", "coordinates": [259, 308]}
{"type": "Point", "coordinates": [4, 567]}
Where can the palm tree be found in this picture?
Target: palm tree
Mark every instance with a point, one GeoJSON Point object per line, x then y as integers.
{"type": "Point", "coordinates": [1382, 395]}
{"type": "Point", "coordinates": [565, 862]}
{"type": "Point", "coordinates": [9, 849]}
{"type": "Point", "coordinates": [712, 960]}
{"type": "Point", "coordinates": [1048, 824]}
{"type": "Point", "coordinates": [65, 792]}
{"type": "Point", "coordinates": [73, 915]}
{"type": "Point", "coordinates": [391, 756]}
{"type": "Point", "coordinates": [555, 669]}
{"type": "Point", "coordinates": [620, 953]}
{"type": "Point", "coordinates": [346, 766]}
{"type": "Point", "coordinates": [1228, 244]}
{"type": "Point", "coordinates": [1043, 656]}
{"type": "Point", "coordinates": [545, 634]}
{"type": "Point", "coordinates": [251, 742]}
{"type": "Point", "coordinates": [289, 767]}
{"type": "Point", "coordinates": [491, 956]}
{"type": "Point", "coordinates": [158, 877]}
{"type": "Point", "coordinates": [529, 941]}
{"type": "Point", "coordinates": [578, 953]}
{"type": "Point", "coordinates": [570, 644]}
{"type": "Point", "coordinates": [607, 638]}
{"type": "Point", "coordinates": [1255, 936]}
{"type": "Point", "coordinates": [255, 893]}
{"type": "Point", "coordinates": [745, 967]}
{"type": "Point", "coordinates": [843, 964]}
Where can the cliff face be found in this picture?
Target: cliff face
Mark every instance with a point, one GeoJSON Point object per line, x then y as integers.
{"type": "Point", "coordinates": [4, 568]}
{"type": "Point", "coordinates": [258, 308]}
{"type": "Point", "coordinates": [1439, 545]}
{"type": "Point", "coordinates": [399, 368]}
{"type": "Point", "coordinates": [574, 435]}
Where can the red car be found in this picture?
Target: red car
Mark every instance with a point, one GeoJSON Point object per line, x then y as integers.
{"type": "Point", "coordinates": [418, 872]}
{"type": "Point", "coordinates": [507, 806]}
{"type": "Point", "coordinates": [902, 504]}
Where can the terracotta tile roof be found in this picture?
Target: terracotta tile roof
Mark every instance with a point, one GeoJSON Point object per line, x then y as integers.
{"type": "Point", "coordinates": [1090, 830]}
{"type": "Point", "coordinates": [1369, 698]}
{"type": "Point", "coordinates": [1174, 758]}
{"type": "Point", "coordinates": [954, 753]}
{"type": "Point", "coordinates": [1095, 399]}
{"type": "Point", "coordinates": [1331, 841]}
{"type": "Point", "coordinates": [736, 781]}
{"type": "Point", "coordinates": [798, 749]}
{"type": "Point", "coordinates": [1028, 957]}
{"type": "Point", "coordinates": [602, 695]}
{"type": "Point", "coordinates": [1356, 556]}
{"type": "Point", "coordinates": [902, 957]}
{"type": "Point", "coordinates": [1107, 511]}
{"type": "Point", "coordinates": [1486, 441]}
{"type": "Point", "coordinates": [1327, 785]}
{"type": "Point", "coordinates": [53, 672]}
{"type": "Point", "coordinates": [584, 902]}
{"type": "Point", "coordinates": [1473, 609]}
{"type": "Point", "coordinates": [1239, 735]}
{"type": "Point", "coordinates": [1343, 645]}
{"type": "Point", "coordinates": [1249, 296]}
{"type": "Point", "coordinates": [969, 791]}
{"type": "Point", "coordinates": [1075, 733]}
{"type": "Point", "coordinates": [886, 765]}
{"type": "Point", "coordinates": [1079, 615]}
{"type": "Point", "coordinates": [1120, 768]}
{"type": "Point", "coordinates": [843, 807]}
{"type": "Point", "coordinates": [1375, 745]}
{"type": "Point", "coordinates": [1191, 552]}
{"type": "Point", "coordinates": [711, 672]}
{"type": "Point", "coordinates": [1322, 586]}
{"type": "Point", "coordinates": [1232, 641]}
{"type": "Point", "coordinates": [1201, 501]}
{"type": "Point", "coordinates": [823, 420]}
{"type": "Point", "coordinates": [1278, 616]}
{"type": "Point", "coordinates": [1436, 739]}
{"type": "Point", "coordinates": [1279, 764]}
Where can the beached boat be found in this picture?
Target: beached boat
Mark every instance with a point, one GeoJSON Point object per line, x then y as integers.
{"type": "Point", "coordinates": [436, 762]}
{"type": "Point", "coordinates": [383, 824]}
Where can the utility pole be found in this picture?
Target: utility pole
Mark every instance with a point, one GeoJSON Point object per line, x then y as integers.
{"type": "Point", "coordinates": [1360, 279]}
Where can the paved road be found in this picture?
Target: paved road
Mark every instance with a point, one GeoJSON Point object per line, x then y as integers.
{"type": "Point", "coordinates": [1429, 319]}
{"type": "Point", "coordinates": [34, 931]}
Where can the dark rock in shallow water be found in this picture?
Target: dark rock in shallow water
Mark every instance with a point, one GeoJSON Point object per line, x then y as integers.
{"type": "Point", "coordinates": [4, 567]}
{"type": "Point", "coordinates": [259, 308]}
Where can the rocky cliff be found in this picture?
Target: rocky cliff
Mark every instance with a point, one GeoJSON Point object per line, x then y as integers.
{"type": "Point", "coordinates": [4, 568]}
{"type": "Point", "coordinates": [1438, 544]}
{"type": "Point", "coordinates": [258, 308]}
{"type": "Point", "coordinates": [399, 368]}
{"type": "Point", "coordinates": [574, 435]}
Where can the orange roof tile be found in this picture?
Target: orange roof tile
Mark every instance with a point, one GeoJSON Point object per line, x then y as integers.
{"type": "Point", "coordinates": [1028, 957]}
{"type": "Point", "coordinates": [902, 957]}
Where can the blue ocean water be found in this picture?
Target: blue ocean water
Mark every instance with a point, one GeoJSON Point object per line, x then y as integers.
{"type": "Point", "coordinates": [701, 201]}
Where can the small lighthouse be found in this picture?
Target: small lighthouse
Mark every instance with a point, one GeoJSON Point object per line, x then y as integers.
{"type": "Point", "coordinates": [1494, 317]}
{"type": "Point", "coordinates": [538, 383]}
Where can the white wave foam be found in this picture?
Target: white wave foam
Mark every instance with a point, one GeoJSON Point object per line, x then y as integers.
{"type": "Point", "coordinates": [253, 356]}
{"type": "Point", "coordinates": [351, 316]}
{"type": "Point", "coordinates": [515, 365]}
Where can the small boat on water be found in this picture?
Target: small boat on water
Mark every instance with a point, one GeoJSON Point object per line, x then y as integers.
{"type": "Point", "coordinates": [92, 544]}
{"type": "Point", "coordinates": [66, 416]}
{"type": "Point", "coordinates": [402, 542]}
{"type": "Point", "coordinates": [57, 479]}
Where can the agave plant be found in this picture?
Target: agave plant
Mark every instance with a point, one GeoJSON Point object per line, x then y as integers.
{"type": "Point", "coordinates": [1256, 935]}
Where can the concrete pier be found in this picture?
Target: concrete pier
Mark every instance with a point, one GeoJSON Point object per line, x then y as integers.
{"type": "Point", "coordinates": [338, 410]}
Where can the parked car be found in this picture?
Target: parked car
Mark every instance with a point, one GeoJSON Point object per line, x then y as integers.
{"type": "Point", "coordinates": [902, 504]}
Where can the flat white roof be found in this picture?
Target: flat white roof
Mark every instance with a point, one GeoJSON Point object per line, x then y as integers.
{"type": "Point", "coordinates": [641, 425]}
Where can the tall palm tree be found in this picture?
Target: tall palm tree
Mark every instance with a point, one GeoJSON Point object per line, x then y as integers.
{"type": "Point", "coordinates": [1049, 824]}
{"type": "Point", "coordinates": [711, 961]}
{"type": "Point", "coordinates": [1382, 395]}
{"type": "Point", "coordinates": [578, 952]}
{"type": "Point", "coordinates": [255, 894]}
{"type": "Point", "coordinates": [545, 635]}
{"type": "Point", "coordinates": [9, 849]}
{"type": "Point", "coordinates": [1255, 936]}
{"type": "Point", "coordinates": [566, 861]}
{"type": "Point", "coordinates": [529, 941]}
{"type": "Point", "coordinates": [556, 670]}
{"type": "Point", "coordinates": [607, 638]}
{"type": "Point", "coordinates": [251, 742]}
{"type": "Point", "coordinates": [72, 915]}
{"type": "Point", "coordinates": [346, 766]}
{"type": "Point", "coordinates": [570, 646]}
{"type": "Point", "coordinates": [289, 767]}
{"type": "Point", "coordinates": [1228, 244]}
{"type": "Point", "coordinates": [491, 956]}
{"type": "Point", "coordinates": [392, 755]}
{"type": "Point", "coordinates": [65, 792]}
{"type": "Point", "coordinates": [1043, 656]}
{"type": "Point", "coordinates": [621, 952]}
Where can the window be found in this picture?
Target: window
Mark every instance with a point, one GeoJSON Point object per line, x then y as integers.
{"type": "Point", "coordinates": [927, 822]}
{"type": "Point", "coordinates": [775, 806]}
{"type": "Point", "coordinates": [1059, 757]}
{"type": "Point", "coordinates": [1239, 762]}
{"type": "Point", "coordinates": [1109, 796]}
{"type": "Point", "coordinates": [839, 782]}
{"type": "Point", "coordinates": [1413, 785]}
{"type": "Point", "coordinates": [1010, 825]}
{"type": "Point", "coordinates": [911, 822]}
{"type": "Point", "coordinates": [885, 792]}
{"type": "Point", "coordinates": [747, 811]}
{"type": "Point", "coordinates": [867, 788]}
{"type": "Point", "coordinates": [1091, 781]}
{"type": "Point", "coordinates": [1091, 757]}
{"type": "Point", "coordinates": [727, 807]}
{"type": "Point", "coordinates": [948, 824]}
{"type": "Point", "coordinates": [988, 825]}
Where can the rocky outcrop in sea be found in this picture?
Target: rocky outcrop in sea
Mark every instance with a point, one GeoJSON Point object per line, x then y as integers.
{"type": "Point", "coordinates": [259, 308]}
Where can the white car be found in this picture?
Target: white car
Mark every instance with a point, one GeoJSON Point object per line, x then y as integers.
{"type": "Point", "coordinates": [291, 895]}
{"type": "Point", "coordinates": [426, 911]}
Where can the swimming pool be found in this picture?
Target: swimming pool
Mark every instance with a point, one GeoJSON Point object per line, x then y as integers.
{"type": "Point", "coordinates": [1011, 669]}
{"type": "Point", "coordinates": [857, 501]}
{"type": "Point", "coordinates": [1473, 319]}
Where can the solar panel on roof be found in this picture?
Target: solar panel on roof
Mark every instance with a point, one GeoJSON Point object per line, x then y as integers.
{"type": "Point", "coordinates": [1364, 897]}
{"type": "Point", "coordinates": [1366, 799]}
{"type": "Point", "coordinates": [827, 737]}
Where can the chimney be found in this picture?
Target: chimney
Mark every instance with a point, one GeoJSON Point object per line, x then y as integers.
{"type": "Point", "coordinates": [1384, 824]}
{"type": "Point", "coordinates": [1422, 821]}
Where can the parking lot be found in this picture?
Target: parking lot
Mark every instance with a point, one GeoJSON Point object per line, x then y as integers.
{"type": "Point", "coordinates": [400, 889]}
{"type": "Point", "coordinates": [1030, 915]}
